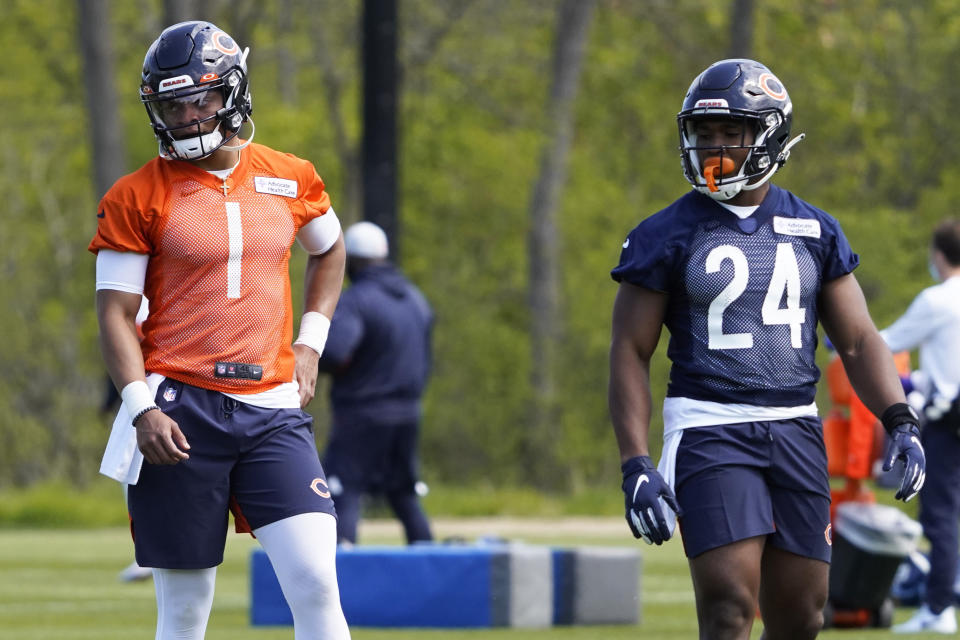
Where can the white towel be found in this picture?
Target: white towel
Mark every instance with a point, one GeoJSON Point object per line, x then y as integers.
{"type": "Point", "coordinates": [668, 470]}
{"type": "Point", "coordinates": [122, 458]}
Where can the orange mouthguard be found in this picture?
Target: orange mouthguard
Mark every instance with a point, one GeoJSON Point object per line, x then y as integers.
{"type": "Point", "coordinates": [714, 168]}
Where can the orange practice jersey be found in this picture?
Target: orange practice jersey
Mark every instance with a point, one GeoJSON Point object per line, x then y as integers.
{"type": "Point", "coordinates": [218, 277]}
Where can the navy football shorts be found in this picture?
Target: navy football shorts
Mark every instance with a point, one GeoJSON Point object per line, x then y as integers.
{"type": "Point", "coordinates": [751, 479]}
{"type": "Point", "coordinates": [262, 463]}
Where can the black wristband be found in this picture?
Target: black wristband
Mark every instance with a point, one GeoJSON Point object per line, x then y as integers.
{"type": "Point", "coordinates": [142, 413]}
{"type": "Point", "coordinates": [898, 414]}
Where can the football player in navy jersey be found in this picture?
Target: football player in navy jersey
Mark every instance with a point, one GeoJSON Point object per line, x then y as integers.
{"type": "Point", "coordinates": [740, 272]}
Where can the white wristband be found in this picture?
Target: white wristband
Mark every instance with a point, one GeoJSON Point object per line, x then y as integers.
{"type": "Point", "coordinates": [314, 327]}
{"type": "Point", "coordinates": [137, 397]}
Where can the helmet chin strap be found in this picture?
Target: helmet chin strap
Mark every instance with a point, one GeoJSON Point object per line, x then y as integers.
{"type": "Point", "coordinates": [185, 155]}
{"type": "Point", "coordinates": [781, 159]}
{"type": "Point", "coordinates": [237, 147]}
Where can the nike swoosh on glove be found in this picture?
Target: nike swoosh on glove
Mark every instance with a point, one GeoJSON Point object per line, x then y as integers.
{"type": "Point", "coordinates": [643, 487]}
{"type": "Point", "coordinates": [905, 445]}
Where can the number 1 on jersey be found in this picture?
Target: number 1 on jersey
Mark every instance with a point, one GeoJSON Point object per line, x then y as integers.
{"type": "Point", "coordinates": [235, 239]}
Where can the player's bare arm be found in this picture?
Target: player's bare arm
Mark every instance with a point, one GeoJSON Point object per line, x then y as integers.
{"type": "Point", "coordinates": [117, 316]}
{"type": "Point", "coordinates": [866, 357]}
{"type": "Point", "coordinates": [158, 437]}
{"type": "Point", "coordinates": [323, 282]}
{"type": "Point", "coordinates": [873, 375]}
{"type": "Point", "coordinates": [638, 315]}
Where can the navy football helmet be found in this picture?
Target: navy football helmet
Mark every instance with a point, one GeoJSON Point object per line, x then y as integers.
{"type": "Point", "coordinates": [187, 62]}
{"type": "Point", "coordinates": [736, 88]}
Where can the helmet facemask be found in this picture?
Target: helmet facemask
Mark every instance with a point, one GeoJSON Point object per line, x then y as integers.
{"type": "Point", "coordinates": [721, 185]}
{"type": "Point", "coordinates": [189, 141]}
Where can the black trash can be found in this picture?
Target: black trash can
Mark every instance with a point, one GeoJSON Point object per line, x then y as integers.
{"type": "Point", "coordinates": [869, 542]}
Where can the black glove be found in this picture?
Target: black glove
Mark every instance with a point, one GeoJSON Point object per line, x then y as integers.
{"type": "Point", "coordinates": [643, 486]}
{"type": "Point", "coordinates": [902, 424]}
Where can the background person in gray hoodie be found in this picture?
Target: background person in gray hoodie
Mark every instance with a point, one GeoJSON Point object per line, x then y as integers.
{"type": "Point", "coordinates": [378, 352]}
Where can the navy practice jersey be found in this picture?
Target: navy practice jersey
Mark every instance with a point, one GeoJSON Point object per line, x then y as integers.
{"type": "Point", "coordinates": [742, 309]}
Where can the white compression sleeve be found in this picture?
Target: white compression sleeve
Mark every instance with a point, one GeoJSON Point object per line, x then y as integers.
{"type": "Point", "coordinates": [184, 600]}
{"type": "Point", "coordinates": [303, 552]}
{"type": "Point", "coordinates": [121, 271]}
{"type": "Point", "coordinates": [318, 235]}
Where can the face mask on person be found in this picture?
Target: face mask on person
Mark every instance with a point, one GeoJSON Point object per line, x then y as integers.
{"type": "Point", "coordinates": [933, 270]}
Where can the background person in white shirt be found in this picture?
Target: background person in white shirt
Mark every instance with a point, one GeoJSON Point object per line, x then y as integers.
{"type": "Point", "coordinates": [931, 325]}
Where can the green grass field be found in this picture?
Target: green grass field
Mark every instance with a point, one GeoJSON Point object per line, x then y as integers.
{"type": "Point", "coordinates": [61, 584]}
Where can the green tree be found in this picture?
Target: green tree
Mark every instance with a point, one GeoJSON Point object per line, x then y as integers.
{"type": "Point", "coordinates": [872, 87]}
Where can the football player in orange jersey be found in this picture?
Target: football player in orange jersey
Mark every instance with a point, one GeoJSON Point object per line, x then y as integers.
{"type": "Point", "coordinates": [215, 390]}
